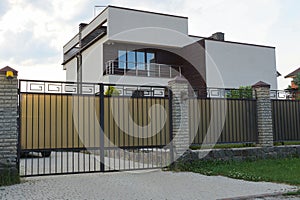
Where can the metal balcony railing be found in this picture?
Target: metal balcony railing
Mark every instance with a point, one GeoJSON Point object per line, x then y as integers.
{"type": "Point", "coordinates": [114, 67]}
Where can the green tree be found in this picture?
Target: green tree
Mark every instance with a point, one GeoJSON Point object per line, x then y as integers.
{"type": "Point", "coordinates": [244, 92]}
{"type": "Point", "coordinates": [112, 91]}
{"type": "Point", "coordinates": [297, 80]}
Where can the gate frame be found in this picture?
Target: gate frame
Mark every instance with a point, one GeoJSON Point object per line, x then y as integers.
{"type": "Point", "coordinates": [101, 95]}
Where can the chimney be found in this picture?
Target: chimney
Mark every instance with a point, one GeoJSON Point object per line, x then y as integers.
{"type": "Point", "coordinates": [218, 36]}
{"type": "Point", "coordinates": [81, 26]}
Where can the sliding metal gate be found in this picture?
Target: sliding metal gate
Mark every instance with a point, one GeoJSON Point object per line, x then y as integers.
{"type": "Point", "coordinates": [68, 127]}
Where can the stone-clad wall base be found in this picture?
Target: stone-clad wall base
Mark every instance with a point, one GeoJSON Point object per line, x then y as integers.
{"type": "Point", "coordinates": [238, 154]}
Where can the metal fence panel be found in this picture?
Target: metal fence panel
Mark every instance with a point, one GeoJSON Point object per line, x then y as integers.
{"type": "Point", "coordinates": [239, 124]}
{"type": "Point", "coordinates": [286, 120]}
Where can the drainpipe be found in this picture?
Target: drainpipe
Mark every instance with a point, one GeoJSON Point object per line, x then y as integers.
{"type": "Point", "coordinates": [79, 59]}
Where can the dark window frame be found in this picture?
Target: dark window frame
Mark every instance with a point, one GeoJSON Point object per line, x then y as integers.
{"type": "Point", "coordinates": [146, 52]}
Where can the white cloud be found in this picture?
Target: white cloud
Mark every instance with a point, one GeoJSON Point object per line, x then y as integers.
{"type": "Point", "coordinates": [33, 34]}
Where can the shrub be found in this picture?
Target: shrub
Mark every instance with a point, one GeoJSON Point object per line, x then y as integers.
{"type": "Point", "coordinates": [297, 80]}
{"type": "Point", "coordinates": [9, 177]}
{"type": "Point", "coordinates": [112, 91]}
{"type": "Point", "coordinates": [244, 92]}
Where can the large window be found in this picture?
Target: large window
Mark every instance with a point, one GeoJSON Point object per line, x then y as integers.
{"type": "Point", "coordinates": [131, 61]}
{"type": "Point", "coordinates": [150, 58]}
{"type": "Point", "coordinates": [122, 59]}
{"type": "Point", "coordinates": [140, 60]}
{"type": "Point", "coordinates": [135, 59]}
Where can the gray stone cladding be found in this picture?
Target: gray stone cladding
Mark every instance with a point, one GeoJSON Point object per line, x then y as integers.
{"type": "Point", "coordinates": [180, 115]}
{"type": "Point", "coordinates": [239, 154]}
{"type": "Point", "coordinates": [8, 123]}
{"type": "Point", "coordinates": [264, 114]}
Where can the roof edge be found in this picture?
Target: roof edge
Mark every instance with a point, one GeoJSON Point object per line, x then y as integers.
{"type": "Point", "coordinates": [84, 48]}
{"type": "Point", "coordinates": [293, 73]}
{"type": "Point", "coordinates": [261, 84]}
{"type": "Point", "coordinates": [145, 11]}
{"type": "Point", "coordinates": [241, 43]}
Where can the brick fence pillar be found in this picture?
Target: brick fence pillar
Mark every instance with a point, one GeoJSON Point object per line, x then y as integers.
{"type": "Point", "coordinates": [8, 121]}
{"type": "Point", "coordinates": [264, 114]}
{"type": "Point", "coordinates": [180, 115]}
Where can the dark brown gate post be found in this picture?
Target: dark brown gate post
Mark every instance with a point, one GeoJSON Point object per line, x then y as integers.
{"type": "Point", "coordinates": [102, 143]}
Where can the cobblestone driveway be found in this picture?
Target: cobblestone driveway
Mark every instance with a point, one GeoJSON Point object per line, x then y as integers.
{"type": "Point", "coordinates": [153, 184]}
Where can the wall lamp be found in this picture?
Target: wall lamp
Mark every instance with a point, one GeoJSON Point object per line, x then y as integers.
{"type": "Point", "coordinates": [9, 75]}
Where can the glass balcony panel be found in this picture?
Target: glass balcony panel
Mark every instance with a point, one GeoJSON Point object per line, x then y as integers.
{"type": "Point", "coordinates": [131, 64]}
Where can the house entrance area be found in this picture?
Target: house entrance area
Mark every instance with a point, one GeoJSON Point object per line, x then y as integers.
{"type": "Point", "coordinates": [69, 127]}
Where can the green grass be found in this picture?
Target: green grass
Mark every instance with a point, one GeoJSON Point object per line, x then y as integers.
{"type": "Point", "coordinates": [287, 143]}
{"type": "Point", "coordinates": [221, 146]}
{"type": "Point", "coordinates": [272, 170]}
{"type": "Point", "coordinates": [239, 145]}
{"type": "Point", "coordinates": [8, 178]}
{"type": "Point", "coordinates": [292, 193]}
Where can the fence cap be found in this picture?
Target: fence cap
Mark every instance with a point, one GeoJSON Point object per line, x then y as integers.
{"type": "Point", "coordinates": [7, 68]}
{"type": "Point", "coordinates": [178, 79]}
{"type": "Point", "coordinates": [261, 84]}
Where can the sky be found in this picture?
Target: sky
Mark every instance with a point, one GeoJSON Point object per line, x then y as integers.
{"type": "Point", "coordinates": [33, 32]}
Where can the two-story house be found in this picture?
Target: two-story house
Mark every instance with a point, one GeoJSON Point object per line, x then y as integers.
{"type": "Point", "coordinates": [128, 46]}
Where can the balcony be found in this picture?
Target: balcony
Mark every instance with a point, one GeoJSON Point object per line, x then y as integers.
{"type": "Point", "coordinates": [114, 67]}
